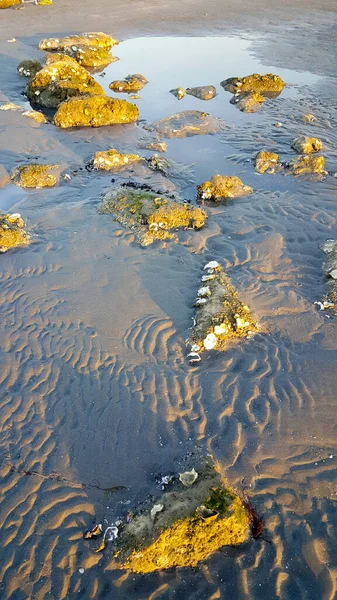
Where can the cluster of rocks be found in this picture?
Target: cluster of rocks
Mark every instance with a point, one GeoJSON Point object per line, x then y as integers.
{"type": "Point", "coordinates": [305, 164]}
{"type": "Point", "coordinates": [250, 92]}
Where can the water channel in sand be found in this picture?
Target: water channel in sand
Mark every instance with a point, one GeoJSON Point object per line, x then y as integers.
{"type": "Point", "coordinates": [95, 385]}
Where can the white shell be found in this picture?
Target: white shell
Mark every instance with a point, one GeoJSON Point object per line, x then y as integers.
{"type": "Point", "coordinates": [333, 273]}
{"type": "Point", "coordinates": [204, 291]}
{"type": "Point", "coordinates": [208, 277]}
{"type": "Point", "coordinates": [213, 264]}
{"type": "Point", "coordinates": [194, 357]}
{"type": "Point", "coordinates": [221, 329]}
{"type": "Point", "coordinates": [188, 478]}
{"type": "Point", "coordinates": [210, 341]}
{"type": "Point", "coordinates": [157, 508]}
{"type": "Point", "coordinates": [200, 301]}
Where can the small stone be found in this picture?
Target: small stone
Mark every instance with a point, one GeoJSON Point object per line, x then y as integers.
{"type": "Point", "coordinates": [307, 164]}
{"type": "Point", "coordinates": [248, 102]}
{"type": "Point", "coordinates": [222, 186]}
{"type": "Point", "coordinates": [81, 570]}
{"type": "Point", "coordinates": [210, 341]}
{"type": "Point", "coordinates": [205, 92]}
{"type": "Point", "coordinates": [131, 83]}
{"type": "Point", "coordinates": [333, 274]}
{"type": "Point", "coordinates": [178, 92]}
{"type": "Point", "coordinates": [212, 265]}
{"type": "Point", "coordinates": [157, 508]}
{"type": "Point", "coordinates": [306, 145]}
{"type": "Point", "coordinates": [188, 478]}
{"type": "Point", "coordinates": [266, 162]}
{"type": "Point", "coordinates": [308, 118]}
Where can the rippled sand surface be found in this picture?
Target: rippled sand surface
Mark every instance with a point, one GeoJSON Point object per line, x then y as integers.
{"type": "Point", "coordinates": [96, 391]}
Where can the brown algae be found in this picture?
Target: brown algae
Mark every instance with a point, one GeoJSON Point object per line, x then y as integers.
{"type": "Point", "coordinates": [12, 232]}
{"type": "Point", "coordinates": [36, 175]}
{"type": "Point", "coordinates": [94, 111]}
{"type": "Point", "coordinates": [129, 85]}
{"type": "Point", "coordinates": [266, 85]}
{"type": "Point", "coordinates": [306, 145]}
{"type": "Point", "coordinates": [110, 160]}
{"type": "Point", "coordinates": [222, 186]}
{"type": "Point", "coordinates": [267, 162]}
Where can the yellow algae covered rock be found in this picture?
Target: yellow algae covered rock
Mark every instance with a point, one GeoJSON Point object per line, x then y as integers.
{"type": "Point", "coordinates": [112, 160]}
{"type": "Point", "coordinates": [129, 85]}
{"type": "Point", "coordinates": [8, 3]}
{"type": "Point", "coordinates": [185, 124]}
{"type": "Point", "coordinates": [94, 111]}
{"type": "Point", "coordinates": [223, 186]}
{"type": "Point", "coordinates": [29, 67]}
{"type": "Point", "coordinates": [36, 176]}
{"type": "Point", "coordinates": [53, 57]}
{"type": "Point", "coordinates": [248, 101]}
{"type": "Point", "coordinates": [306, 145]}
{"type": "Point", "coordinates": [96, 39]}
{"type": "Point", "coordinates": [156, 146]}
{"type": "Point", "coordinates": [204, 92]}
{"type": "Point", "coordinates": [59, 81]}
{"type": "Point", "coordinates": [221, 315]}
{"type": "Point", "coordinates": [267, 85]}
{"type": "Point", "coordinates": [179, 93]}
{"type": "Point", "coordinates": [90, 56]}
{"type": "Point", "coordinates": [151, 216]}
{"type": "Point", "coordinates": [267, 162]}
{"type": "Point", "coordinates": [12, 233]}
{"type": "Point", "coordinates": [306, 165]}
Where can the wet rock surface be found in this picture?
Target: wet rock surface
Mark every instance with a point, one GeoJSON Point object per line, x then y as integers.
{"type": "Point", "coordinates": [93, 39]}
{"type": "Point", "coordinates": [205, 92]}
{"type": "Point", "coordinates": [248, 102]}
{"type": "Point", "coordinates": [90, 56]}
{"type": "Point", "coordinates": [307, 165]}
{"type": "Point", "coordinates": [94, 111]}
{"type": "Point", "coordinates": [156, 146]}
{"type": "Point", "coordinates": [111, 160]}
{"type": "Point", "coordinates": [267, 85]}
{"type": "Point", "coordinates": [179, 92]}
{"type": "Point", "coordinates": [267, 162]}
{"type": "Point", "coordinates": [330, 271]}
{"type": "Point", "coordinates": [12, 232]}
{"type": "Point", "coordinates": [222, 187]}
{"type": "Point", "coordinates": [187, 123]}
{"type": "Point", "coordinates": [151, 216]}
{"type": "Point", "coordinates": [131, 84]}
{"type": "Point", "coordinates": [29, 67]}
{"type": "Point", "coordinates": [36, 175]}
{"type": "Point", "coordinates": [306, 145]}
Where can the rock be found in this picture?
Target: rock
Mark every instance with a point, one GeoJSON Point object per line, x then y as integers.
{"type": "Point", "coordinates": [151, 216]}
{"type": "Point", "coordinates": [222, 186]}
{"type": "Point", "coordinates": [53, 57]}
{"type": "Point", "coordinates": [304, 165]}
{"type": "Point", "coordinates": [179, 93]}
{"type": "Point", "coordinates": [188, 477]}
{"type": "Point", "coordinates": [95, 39]}
{"type": "Point", "coordinates": [170, 168]}
{"type": "Point", "coordinates": [90, 56]}
{"type": "Point", "coordinates": [12, 232]}
{"type": "Point", "coordinates": [308, 118]}
{"type": "Point", "coordinates": [223, 317]}
{"type": "Point", "coordinates": [36, 176]}
{"type": "Point", "coordinates": [157, 508]}
{"type": "Point", "coordinates": [4, 177]}
{"type": "Point", "coordinates": [10, 106]}
{"type": "Point", "coordinates": [59, 81]}
{"type": "Point", "coordinates": [248, 101]}
{"type": "Point", "coordinates": [156, 146]}
{"type": "Point", "coordinates": [267, 162]}
{"type": "Point", "coordinates": [268, 85]}
{"type": "Point", "coordinates": [36, 115]}
{"type": "Point", "coordinates": [330, 271]}
{"type": "Point", "coordinates": [197, 521]}
{"type": "Point", "coordinates": [111, 160]}
{"type": "Point", "coordinates": [306, 145]}
{"type": "Point", "coordinates": [185, 124]}
{"type": "Point", "coordinates": [29, 68]}
{"type": "Point", "coordinates": [94, 111]}
{"type": "Point", "coordinates": [129, 85]}
{"type": "Point", "coordinates": [8, 3]}
{"type": "Point", "coordinates": [204, 92]}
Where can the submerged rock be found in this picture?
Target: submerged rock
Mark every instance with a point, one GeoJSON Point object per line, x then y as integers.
{"type": "Point", "coordinates": [204, 92]}
{"type": "Point", "coordinates": [129, 85]}
{"type": "Point", "coordinates": [29, 67]}
{"type": "Point", "coordinates": [111, 160]}
{"type": "Point", "coordinates": [171, 168]}
{"type": "Point", "coordinates": [330, 271]}
{"type": "Point", "coordinates": [186, 123]}
{"type": "Point", "coordinates": [94, 111]}
{"type": "Point", "coordinates": [156, 146]}
{"type": "Point", "coordinates": [179, 93]}
{"type": "Point", "coordinates": [248, 102]}
{"type": "Point", "coordinates": [90, 56]}
{"type": "Point", "coordinates": [59, 81]}
{"type": "Point", "coordinates": [4, 177]}
{"type": "Point", "coordinates": [195, 522]}
{"type": "Point", "coordinates": [222, 316]}
{"type": "Point", "coordinates": [267, 162]}
{"type": "Point", "coordinates": [308, 118]}
{"type": "Point", "coordinates": [306, 145]}
{"type": "Point", "coordinates": [151, 216]}
{"type": "Point", "coordinates": [53, 57]}
{"type": "Point", "coordinates": [268, 85]}
{"type": "Point", "coordinates": [12, 232]}
{"type": "Point", "coordinates": [222, 186]}
{"type": "Point", "coordinates": [94, 39]}
{"type": "Point", "coordinates": [36, 176]}
{"type": "Point", "coordinates": [306, 165]}
{"type": "Point", "coordinates": [8, 3]}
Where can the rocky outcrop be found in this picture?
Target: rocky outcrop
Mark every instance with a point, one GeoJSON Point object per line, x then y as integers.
{"type": "Point", "coordinates": [94, 111]}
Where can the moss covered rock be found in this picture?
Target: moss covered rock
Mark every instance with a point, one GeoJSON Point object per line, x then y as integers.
{"type": "Point", "coordinates": [330, 271]}
{"type": "Point", "coordinates": [307, 165]}
{"type": "Point", "coordinates": [185, 124]}
{"type": "Point", "coordinates": [151, 216]}
{"type": "Point", "coordinates": [8, 3]}
{"type": "Point", "coordinates": [267, 162]}
{"type": "Point", "coordinates": [59, 81]}
{"type": "Point", "coordinates": [248, 101]}
{"type": "Point", "coordinates": [204, 92]}
{"type": "Point", "coordinates": [29, 67]}
{"type": "Point", "coordinates": [129, 85]}
{"type": "Point", "coordinates": [221, 316]}
{"type": "Point", "coordinates": [12, 233]}
{"type": "Point", "coordinates": [111, 160]}
{"type": "Point", "coordinates": [36, 176]}
{"type": "Point", "coordinates": [94, 111]}
{"type": "Point", "coordinates": [268, 85]}
{"type": "Point", "coordinates": [306, 145]}
{"type": "Point", "coordinates": [94, 39]}
{"type": "Point", "coordinates": [223, 186]}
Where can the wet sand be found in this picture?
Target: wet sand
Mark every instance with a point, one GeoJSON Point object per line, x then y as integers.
{"type": "Point", "coordinates": [95, 386]}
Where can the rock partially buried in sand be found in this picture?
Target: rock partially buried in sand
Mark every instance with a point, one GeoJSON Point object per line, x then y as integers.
{"type": "Point", "coordinates": [179, 93]}
{"type": "Point", "coordinates": [151, 216]}
{"type": "Point", "coordinates": [306, 145]}
{"type": "Point", "coordinates": [185, 124]}
{"type": "Point", "coordinates": [268, 85]}
{"type": "Point", "coordinates": [195, 522]}
{"type": "Point", "coordinates": [94, 111]}
{"type": "Point", "coordinates": [8, 3]}
{"type": "Point", "coordinates": [129, 85]}
{"type": "Point", "coordinates": [29, 67]}
{"type": "Point", "coordinates": [222, 316]}
{"type": "Point", "coordinates": [248, 102]}
{"type": "Point", "coordinates": [204, 92]}
{"type": "Point", "coordinates": [330, 271]}
{"type": "Point", "coordinates": [90, 56]}
{"type": "Point", "coordinates": [111, 160]}
{"type": "Point", "coordinates": [12, 233]}
{"type": "Point", "coordinates": [94, 39]}
{"type": "Point", "coordinates": [59, 81]}
{"type": "Point", "coordinates": [307, 165]}
{"type": "Point", "coordinates": [267, 162]}
{"type": "Point", "coordinates": [222, 186]}
{"type": "Point", "coordinates": [36, 176]}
